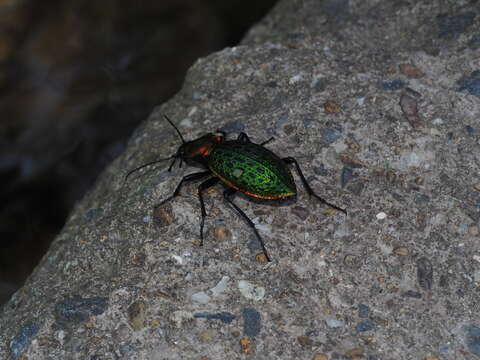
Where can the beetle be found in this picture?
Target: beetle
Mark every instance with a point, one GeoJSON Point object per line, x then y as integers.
{"type": "Point", "coordinates": [241, 165]}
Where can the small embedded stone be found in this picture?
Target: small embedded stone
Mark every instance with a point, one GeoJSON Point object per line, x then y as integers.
{"type": "Point", "coordinates": [365, 325]}
{"type": "Point", "coordinates": [410, 70]}
{"type": "Point", "coordinates": [301, 212]}
{"type": "Point", "coordinates": [246, 346]}
{"type": "Point", "coordinates": [363, 311]}
{"type": "Point", "coordinates": [77, 309]}
{"type": "Point", "coordinates": [424, 273]}
{"type": "Point", "coordinates": [393, 85]}
{"type": "Point", "coordinates": [471, 83]}
{"type": "Point", "coordinates": [354, 353]}
{"type": "Point", "coordinates": [451, 26]}
{"type": "Point", "coordinates": [221, 233]}
{"type": "Point", "coordinates": [304, 341]}
{"type": "Point", "coordinates": [331, 107]}
{"type": "Point", "coordinates": [223, 316]}
{"type": "Point", "coordinates": [351, 161]}
{"type": "Point", "coordinates": [333, 323]}
{"type": "Point", "coordinates": [261, 258]}
{"type": "Point", "coordinates": [330, 135]}
{"type": "Point", "coordinates": [251, 291]}
{"type": "Point", "coordinates": [22, 339]}
{"type": "Point", "coordinates": [409, 108]}
{"type": "Point", "coordinates": [472, 333]}
{"type": "Point", "coordinates": [201, 297]}
{"type": "Point", "coordinates": [352, 261]}
{"type": "Point", "coordinates": [206, 336]}
{"type": "Point", "coordinates": [400, 251]}
{"type": "Point", "coordinates": [136, 315]}
{"type": "Point", "coordinates": [473, 230]}
{"type": "Point", "coordinates": [221, 286]}
{"type": "Point", "coordinates": [347, 175]}
{"type": "Point", "coordinates": [412, 294]}
{"type": "Point", "coordinates": [252, 322]}
{"type": "Point", "coordinates": [163, 216]}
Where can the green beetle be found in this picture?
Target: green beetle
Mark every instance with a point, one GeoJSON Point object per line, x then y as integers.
{"type": "Point", "coordinates": [242, 166]}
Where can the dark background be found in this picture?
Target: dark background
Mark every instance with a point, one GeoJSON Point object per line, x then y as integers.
{"type": "Point", "coordinates": [76, 77]}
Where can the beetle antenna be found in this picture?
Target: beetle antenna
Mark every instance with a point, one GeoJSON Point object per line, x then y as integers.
{"type": "Point", "coordinates": [148, 164]}
{"type": "Point", "coordinates": [178, 131]}
{"type": "Point", "coordinates": [173, 163]}
{"type": "Point", "coordinates": [174, 157]}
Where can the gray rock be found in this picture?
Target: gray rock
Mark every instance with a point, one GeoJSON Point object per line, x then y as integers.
{"type": "Point", "coordinates": [267, 87]}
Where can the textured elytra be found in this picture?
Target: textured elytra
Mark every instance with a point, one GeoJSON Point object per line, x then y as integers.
{"type": "Point", "coordinates": [251, 169]}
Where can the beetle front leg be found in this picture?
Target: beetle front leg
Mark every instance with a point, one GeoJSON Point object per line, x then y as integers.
{"type": "Point", "coordinates": [227, 195]}
{"type": "Point", "coordinates": [291, 160]}
{"type": "Point", "coordinates": [186, 178]}
{"type": "Point", "coordinates": [202, 187]}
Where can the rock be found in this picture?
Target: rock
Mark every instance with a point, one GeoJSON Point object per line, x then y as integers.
{"type": "Point", "coordinates": [252, 322]}
{"type": "Point", "coordinates": [136, 315]}
{"type": "Point", "coordinates": [332, 323]}
{"type": "Point", "coordinates": [201, 297]}
{"type": "Point", "coordinates": [425, 273]}
{"type": "Point", "coordinates": [251, 291]}
{"type": "Point", "coordinates": [322, 266]}
{"type": "Point", "coordinates": [365, 325]}
{"type": "Point", "coordinates": [224, 316]}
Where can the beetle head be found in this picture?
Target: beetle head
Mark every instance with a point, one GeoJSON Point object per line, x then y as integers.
{"type": "Point", "coordinates": [192, 152]}
{"type": "Point", "coordinates": [197, 151]}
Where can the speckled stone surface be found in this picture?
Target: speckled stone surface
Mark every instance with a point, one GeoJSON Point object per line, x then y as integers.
{"type": "Point", "coordinates": [379, 102]}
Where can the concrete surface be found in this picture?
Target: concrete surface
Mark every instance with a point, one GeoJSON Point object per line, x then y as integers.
{"type": "Point", "coordinates": [379, 102]}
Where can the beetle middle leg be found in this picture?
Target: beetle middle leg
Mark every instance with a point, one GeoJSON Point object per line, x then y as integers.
{"type": "Point", "coordinates": [291, 160]}
{"type": "Point", "coordinates": [227, 195]}
{"type": "Point", "coordinates": [202, 187]}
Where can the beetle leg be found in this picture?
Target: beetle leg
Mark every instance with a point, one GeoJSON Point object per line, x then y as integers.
{"type": "Point", "coordinates": [202, 187]}
{"type": "Point", "coordinates": [267, 141]}
{"type": "Point", "coordinates": [186, 178]}
{"type": "Point", "coordinates": [291, 160]}
{"type": "Point", "coordinates": [244, 137]}
{"type": "Point", "coordinates": [227, 195]}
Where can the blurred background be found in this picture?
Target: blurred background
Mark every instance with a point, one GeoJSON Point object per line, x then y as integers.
{"type": "Point", "coordinates": [76, 78]}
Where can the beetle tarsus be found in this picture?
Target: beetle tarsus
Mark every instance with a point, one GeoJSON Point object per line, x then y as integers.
{"type": "Point", "coordinates": [227, 195]}
{"type": "Point", "coordinates": [291, 160]}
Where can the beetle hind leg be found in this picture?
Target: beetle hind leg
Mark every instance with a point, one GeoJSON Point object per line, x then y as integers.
{"type": "Point", "coordinates": [227, 195]}
{"type": "Point", "coordinates": [245, 138]}
{"type": "Point", "coordinates": [291, 160]}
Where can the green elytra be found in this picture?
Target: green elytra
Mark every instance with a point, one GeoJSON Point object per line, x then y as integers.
{"type": "Point", "coordinates": [242, 166]}
{"type": "Point", "coordinates": [251, 169]}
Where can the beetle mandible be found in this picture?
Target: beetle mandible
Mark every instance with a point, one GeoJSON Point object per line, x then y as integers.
{"type": "Point", "coordinates": [242, 166]}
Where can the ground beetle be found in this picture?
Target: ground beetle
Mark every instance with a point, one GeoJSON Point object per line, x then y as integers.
{"type": "Point", "coordinates": [241, 165]}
